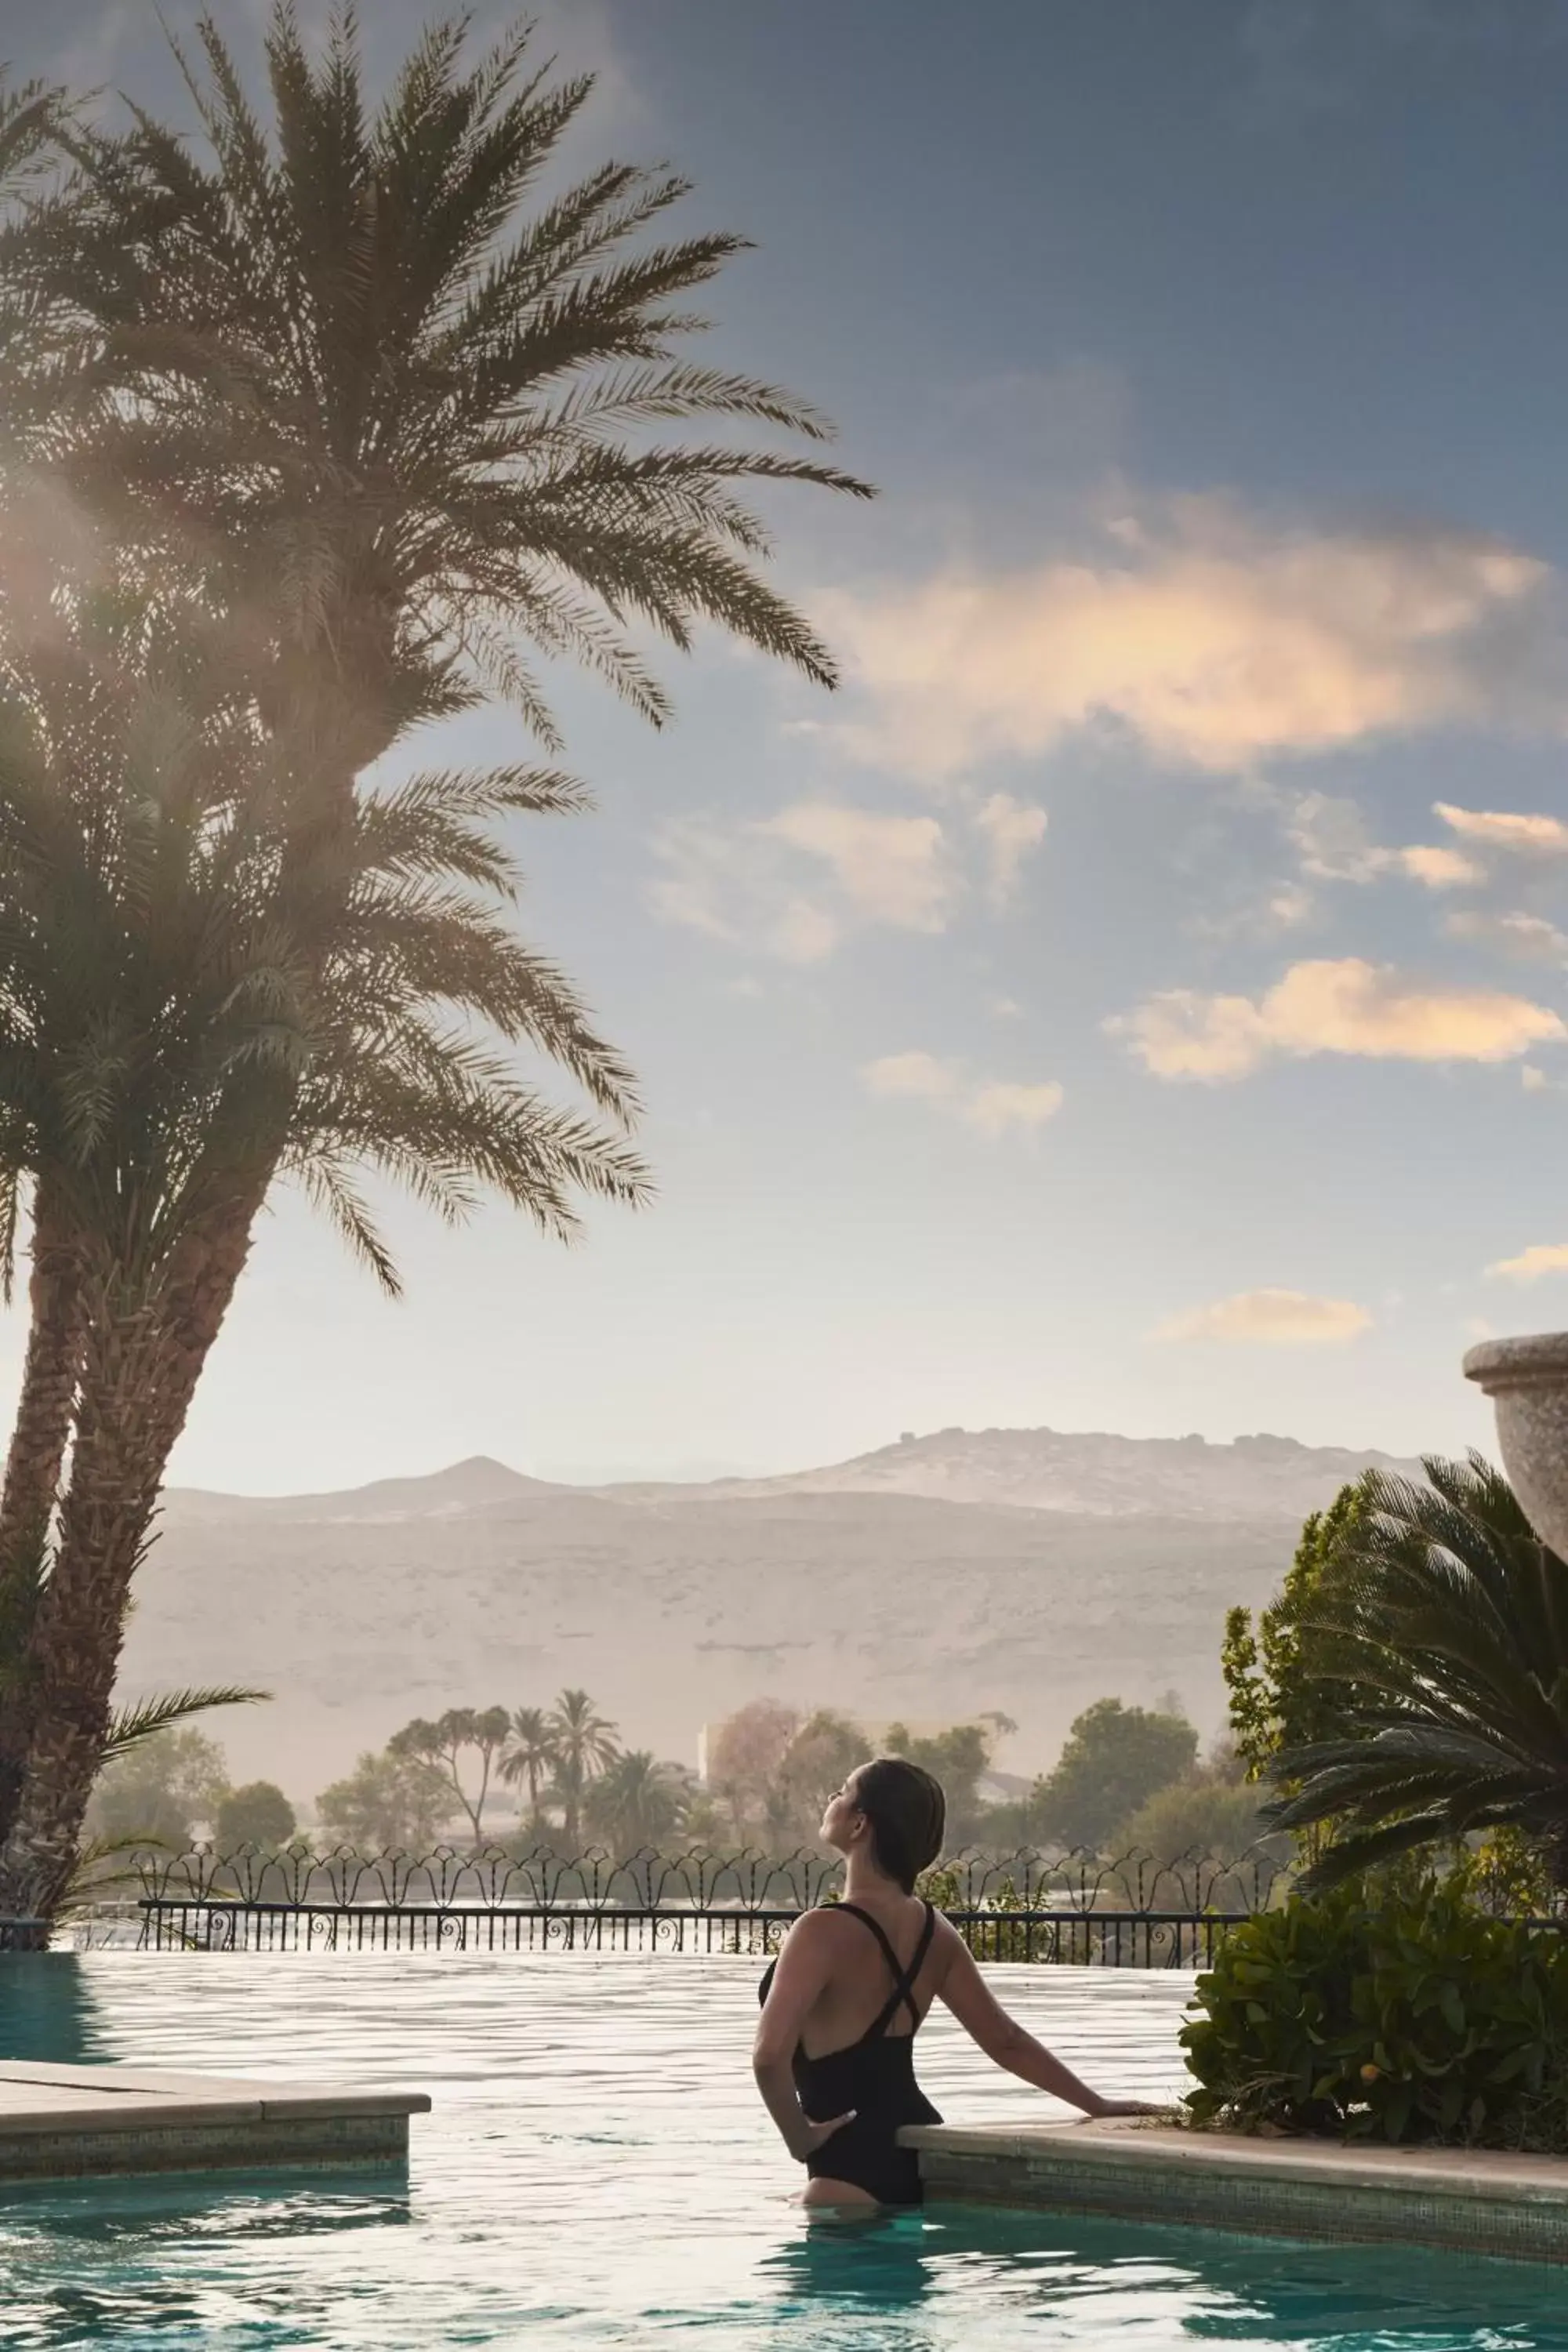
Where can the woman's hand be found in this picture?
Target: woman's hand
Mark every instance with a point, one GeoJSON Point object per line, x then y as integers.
{"type": "Point", "coordinates": [807, 2137]}
{"type": "Point", "coordinates": [1104, 2108]}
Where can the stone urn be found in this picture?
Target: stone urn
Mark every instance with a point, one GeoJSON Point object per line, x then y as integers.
{"type": "Point", "coordinates": [1527, 1380]}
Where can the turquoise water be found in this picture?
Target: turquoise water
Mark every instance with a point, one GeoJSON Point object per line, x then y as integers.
{"type": "Point", "coordinates": [598, 2171]}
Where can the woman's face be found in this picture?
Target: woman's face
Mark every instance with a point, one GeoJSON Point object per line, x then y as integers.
{"type": "Point", "coordinates": [843, 1822]}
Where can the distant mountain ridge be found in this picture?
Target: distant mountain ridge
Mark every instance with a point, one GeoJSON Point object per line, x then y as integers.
{"type": "Point", "coordinates": [1091, 1472]}
{"type": "Point", "coordinates": [1027, 1570]}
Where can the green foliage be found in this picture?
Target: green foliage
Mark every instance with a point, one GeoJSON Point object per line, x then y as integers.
{"type": "Point", "coordinates": [635, 1802]}
{"type": "Point", "coordinates": [1399, 2016]}
{"type": "Point", "coordinates": [159, 1790]}
{"type": "Point", "coordinates": [465, 1744]}
{"type": "Point", "coordinates": [257, 1815]}
{"type": "Point", "coordinates": [957, 1758]}
{"type": "Point", "coordinates": [1196, 1816]}
{"type": "Point", "coordinates": [585, 1742]}
{"type": "Point", "coordinates": [1507, 1873]}
{"type": "Point", "coordinates": [387, 1804]}
{"type": "Point", "coordinates": [529, 1759]}
{"type": "Point", "coordinates": [820, 1757]}
{"type": "Point", "coordinates": [1443, 1707]}
{"type": "Point", "coordinates": [1115, 1758]}
{"type": "Point", "coordinates": [992, 1938]}
{"type": "Point", "coordinates": [1281, 1682]}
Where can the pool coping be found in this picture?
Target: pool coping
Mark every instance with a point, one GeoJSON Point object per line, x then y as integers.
{"type": "Point", "coordinates": [1478, 2200]}
{"type": "Point", "coordinates": [60, 2123]}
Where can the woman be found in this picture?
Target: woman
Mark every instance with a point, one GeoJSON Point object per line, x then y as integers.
{"type": "Point", "coordinates": [842, 2003]}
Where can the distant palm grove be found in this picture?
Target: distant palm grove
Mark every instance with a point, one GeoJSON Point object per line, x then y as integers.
{"type": "Point", "coordinates": [317, 428]}
{"type": "Point", "coordinates": [1128, 1780]}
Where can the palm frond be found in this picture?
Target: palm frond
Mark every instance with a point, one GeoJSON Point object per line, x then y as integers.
{"type": "Point", "coordinates": [130, 1727]}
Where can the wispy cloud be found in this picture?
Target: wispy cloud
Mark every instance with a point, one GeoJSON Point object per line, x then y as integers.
{"type": "Point", "coordinates": [1011, 831]}
{"type": "Point", "coordinates": [993, 1106]}
{"type": "Point", "coordinates": [795, 885]}
{"type": "Point", "coordinates": [918, 1077]}
{"type": "Point", "coordinates": [1269, 1318]}
{"type": "Point", "coordinates": [1528, 836]}
{"type": "Point", "coordinates": [1219, 639]}
{"type": "Point", "coordinates": [1527, 938]}
{"type": "Point", "coordinates": [1330, 836]}
{"type": "Point", "coordinates": [1541, 1258]}
{"type": "Point", "coordinates": [1002, 1106]}
{"type": "Point", "coordinates": [889, 869]}
{"type": "Point", "coordinates": [1345, 1006]}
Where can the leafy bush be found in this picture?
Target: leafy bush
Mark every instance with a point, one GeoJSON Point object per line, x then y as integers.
{"type": "Point", "coordinates": [259, 1814]}
{"type": "Point", "coordinates": [1414, 2017]}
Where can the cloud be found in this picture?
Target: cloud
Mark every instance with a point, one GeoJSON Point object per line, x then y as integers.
{"type": "Point", "coordinates": [890, 869]}
{"type": "Point", "coordinates": [1002, 1104]}
{"type": "Point", "coordinates": [1542, 1257]}
{"type": "Point", "coordinates": [1534, 1081]}
{"type": "Point", "coordinates": [921, 1075]}
{"type": "Point", "coordinates": [1012, 830]}
{"type": "Point", "coordinates": [795, 885]}
{"type": "Point", "coordinates": [1217, 639]}
{"type": "Point", "coordinates": [1003, 1008]}
{"type": "Point", "coordinates": [1269, 1318]}
{"type": "Point", "coordinates": [993, 1106]}
{"type": "Point", "coordinates": [1347, 1006]}
{"type": "Point", "coordinates": [1330, 837]}
{"type": "Point", "coordinates": [1501, 829]}
{"type": "Point", "coordinates": [1528, 939]}
{"type": "Point", "coordinates": [1439, 869]}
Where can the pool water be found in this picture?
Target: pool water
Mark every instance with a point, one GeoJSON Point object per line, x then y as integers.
{"type": "Point", "coordinates": [598, 2171]}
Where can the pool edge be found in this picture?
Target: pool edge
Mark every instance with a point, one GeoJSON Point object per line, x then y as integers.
{"type": "Point", "coordinates": [1473, 2202]}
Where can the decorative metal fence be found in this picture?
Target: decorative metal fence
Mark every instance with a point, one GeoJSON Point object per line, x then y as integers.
{"type": "Point", "coordinates": [1082, 1910]}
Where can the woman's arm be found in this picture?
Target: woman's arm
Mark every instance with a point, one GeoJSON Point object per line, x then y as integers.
{"type": "Point", "coordinates": [800, 1974]}
{"type": "Point", "coordinates": [1003, 2039]}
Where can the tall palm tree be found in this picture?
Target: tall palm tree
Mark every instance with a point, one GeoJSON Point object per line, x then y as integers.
{"type": "Point", "coordinates": [635, 1802]}
{"type": "Point", "coordinates": [1448, 1627]}
{"type": "Point", "coordinates": [162, 982]}
{"type": "Point", "coordinates": [530, 1756]}
{"type": "Point", "coordinates": [329, 380]}
{"type": "Point", "coordinates": [584, 1743]}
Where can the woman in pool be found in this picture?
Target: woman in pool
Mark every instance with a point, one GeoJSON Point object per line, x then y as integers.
{"type": "Point", "coordinates": [841, 2005]}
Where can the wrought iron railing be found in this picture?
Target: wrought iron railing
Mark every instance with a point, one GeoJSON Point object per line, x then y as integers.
{"type": "Point", "coordinates": [1131, 1911]}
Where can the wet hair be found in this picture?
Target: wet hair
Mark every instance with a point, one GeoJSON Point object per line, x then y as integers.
{"type": "Point", "coordinates": [908, 1814]}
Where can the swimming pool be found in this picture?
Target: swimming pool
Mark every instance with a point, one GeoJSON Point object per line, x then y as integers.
{"type": "Point", "coordinates": [598, 2171]}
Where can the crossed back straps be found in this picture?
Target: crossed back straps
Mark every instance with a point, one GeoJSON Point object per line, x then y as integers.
{"type": "Point", "coordinates": [902, 1994]}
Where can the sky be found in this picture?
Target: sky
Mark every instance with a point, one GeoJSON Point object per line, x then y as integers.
{"type": "Point", "coordinates": [1138, 998]}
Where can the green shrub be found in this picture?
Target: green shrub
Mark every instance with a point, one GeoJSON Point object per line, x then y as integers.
{"type": "Point", "coordinates": [1414, 2017]}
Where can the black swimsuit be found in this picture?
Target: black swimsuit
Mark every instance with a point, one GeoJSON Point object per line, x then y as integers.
{"type": "Point", "coordinates": [875, 2077]}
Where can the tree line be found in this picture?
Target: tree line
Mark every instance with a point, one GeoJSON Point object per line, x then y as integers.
{"type": "Point", "coordinates": [1128, 1778]}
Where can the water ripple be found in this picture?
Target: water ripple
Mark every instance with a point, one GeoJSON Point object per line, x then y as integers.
{"type": "Point", "coordinates": [597, 2171]}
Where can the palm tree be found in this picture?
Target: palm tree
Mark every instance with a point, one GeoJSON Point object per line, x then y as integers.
{"type": "Point", "coordinates": [328, 382]}
{"type": "Point", "coordinates": [531, 1757]}
{"type": "Point", "coordinates": [635, 1802]}
{"type": "Point", "coordinates": [1448, 1620]}
{"type": "Point", "coordinates": [161, 983]}
{"type": "Point", "coordinates": [584, 1743]}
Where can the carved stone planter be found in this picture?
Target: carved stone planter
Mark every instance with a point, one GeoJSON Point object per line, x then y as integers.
{"type": "Point", "coordinates": [1527, 1380]}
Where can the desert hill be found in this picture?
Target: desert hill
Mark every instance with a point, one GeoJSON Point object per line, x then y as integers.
{"type": "Point", "coordinates": [1024, 1570]}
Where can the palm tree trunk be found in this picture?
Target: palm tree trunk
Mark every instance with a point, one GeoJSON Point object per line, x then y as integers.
{"type": "Point", "coordinates": [144, 1357]}
{"type": "Point", "coordinates": [51, 1374]}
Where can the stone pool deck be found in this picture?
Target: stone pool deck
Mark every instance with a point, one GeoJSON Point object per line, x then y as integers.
{"type": "Point", "coordinates": [1478, 2201]}
{"type": "Point", "coordinates": [63, 2123]}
